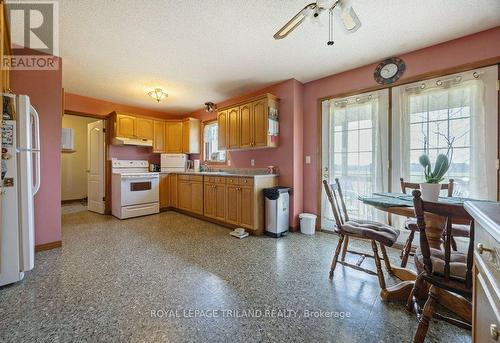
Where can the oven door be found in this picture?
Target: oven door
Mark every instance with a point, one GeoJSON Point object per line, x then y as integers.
{"type": "Point", "coordinates": [137, 189]}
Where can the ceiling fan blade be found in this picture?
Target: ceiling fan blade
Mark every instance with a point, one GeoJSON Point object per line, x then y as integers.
{"type": "Point", "coordinates": [349, 18]}
{"type": "Point", "coordinates": [294, 22]}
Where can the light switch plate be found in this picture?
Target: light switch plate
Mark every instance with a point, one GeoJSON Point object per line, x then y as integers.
{"type": "Point", "coordinates": [308, 159]}
{"type": "Point", "coordinates": [252, 163]}
{"type": "Point", "coordinates": [229, 163]}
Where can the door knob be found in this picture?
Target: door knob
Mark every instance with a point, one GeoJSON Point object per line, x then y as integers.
{"type": "Point", "coordinates": [481, 248]}
{"type": "Point", "coordinates": [494, 332]}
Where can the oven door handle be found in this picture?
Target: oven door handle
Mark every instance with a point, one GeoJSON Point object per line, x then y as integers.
{"type": "Point", "coordinates": [140, 178]}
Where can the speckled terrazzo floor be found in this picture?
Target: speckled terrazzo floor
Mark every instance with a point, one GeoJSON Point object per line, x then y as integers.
{"type": "Point", "coordinates": [103, 285]}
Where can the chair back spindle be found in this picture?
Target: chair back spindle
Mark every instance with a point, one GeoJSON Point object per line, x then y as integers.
{"type": "Point", "coordinates": [410, 185]}
{"type": "Point", "coordinates": [449, 212]}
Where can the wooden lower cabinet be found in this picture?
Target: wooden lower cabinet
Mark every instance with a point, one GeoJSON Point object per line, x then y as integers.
{"type": "Point", "coordinates": [236, 201]}
{"type": "Point", "coordinates": [184, 195]}
{"type": "Point", "coordinates": [246, 207]}
{"type": "Point", "coordinates": [190, 194]}
{"type": "Point", "coordinates": [214, 201]}
{"type": "Point", "coordinates": [168, 190]}
{"type": "Point", "coordinates": [232, 204]}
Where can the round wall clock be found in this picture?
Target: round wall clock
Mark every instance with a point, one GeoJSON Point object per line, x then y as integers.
{"type": "Point", "coordinates": [389, 71]}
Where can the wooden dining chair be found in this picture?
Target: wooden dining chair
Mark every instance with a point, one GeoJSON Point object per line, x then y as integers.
{"type": "Point", "coordinates": [366, 230]}
{"type": "Point", "coordinates": [441, 270]}
{"type": "Point", "coordinates": [411, 223]}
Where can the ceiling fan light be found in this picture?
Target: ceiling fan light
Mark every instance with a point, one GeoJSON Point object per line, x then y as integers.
{"type": "Point", "coordinates": [350, 19]}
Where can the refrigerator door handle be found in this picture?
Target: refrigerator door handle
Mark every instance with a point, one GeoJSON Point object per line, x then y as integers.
{"type": "Point", "coordinates": [36, 148]}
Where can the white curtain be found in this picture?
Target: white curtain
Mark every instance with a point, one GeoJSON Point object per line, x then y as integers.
{"type": "Point", "coordinates": [365, 116]}
{"type": "Point", "coordinates": [431, 102]}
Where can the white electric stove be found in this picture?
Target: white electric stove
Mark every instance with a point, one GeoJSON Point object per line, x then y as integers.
{"type": "Point", "coordinates": [135, 191]}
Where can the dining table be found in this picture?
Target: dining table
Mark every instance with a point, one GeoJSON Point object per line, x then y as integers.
{"type": "Point", "coordinates": [402, 204]}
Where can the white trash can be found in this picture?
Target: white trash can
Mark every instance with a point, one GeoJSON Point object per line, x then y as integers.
{"type": "Point", "coordinates": [307, 223]}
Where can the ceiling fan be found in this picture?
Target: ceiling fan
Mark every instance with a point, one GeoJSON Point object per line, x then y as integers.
{"type": "Point", "coordinates": [347, 14]}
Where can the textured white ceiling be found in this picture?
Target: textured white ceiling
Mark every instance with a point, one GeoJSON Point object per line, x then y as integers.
{"type": "Point", "coordinates": [211, 50]}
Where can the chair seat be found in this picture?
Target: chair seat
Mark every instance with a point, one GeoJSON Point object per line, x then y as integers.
{"type": "Point", "coordinates": [368, 229]}
{"type": "Point", "coordinates": [458, 263]}
{"type": "Point", "coordinates": [456, 229]}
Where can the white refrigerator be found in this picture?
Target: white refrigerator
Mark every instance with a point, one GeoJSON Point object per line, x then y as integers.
{"type": "Point", "coordinates": [20, 183]}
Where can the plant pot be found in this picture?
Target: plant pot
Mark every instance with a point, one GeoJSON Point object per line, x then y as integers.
{"type": "Point", "coordinates": [430, 191]}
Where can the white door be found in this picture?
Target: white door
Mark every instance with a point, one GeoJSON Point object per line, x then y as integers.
{"type": "Point", "coordinates": [354, 146]}
{"type": "Point", "coordinates": [95, 166]}
{"type": "Point", "coordinates": [327, 221]}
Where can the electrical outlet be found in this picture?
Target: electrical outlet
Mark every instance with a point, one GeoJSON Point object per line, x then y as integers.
{"type": "Point", "coordinates": [252, 163]}
{"type": "Point", "coordinates": [308, 159]}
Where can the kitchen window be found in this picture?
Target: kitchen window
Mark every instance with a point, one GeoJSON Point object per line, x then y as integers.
{"type": "Point", "coordinates": [211, 150]}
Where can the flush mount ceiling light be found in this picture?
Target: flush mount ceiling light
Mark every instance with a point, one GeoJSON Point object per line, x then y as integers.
{"type": "Point", "coordinates": [158, 94]}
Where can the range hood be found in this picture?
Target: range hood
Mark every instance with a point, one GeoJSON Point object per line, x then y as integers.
{"type": "Point", "coordinates": [132, 141]}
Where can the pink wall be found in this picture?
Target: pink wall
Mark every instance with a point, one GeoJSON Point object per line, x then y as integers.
{"type": "Point", "coordinates": [86, 105]}
{"type": "Point", "coordinates": [45, 92]}
{"type": "Point", "coordinates": [481, 46]}
{"type": "Point", "coordinates": [290, 146]}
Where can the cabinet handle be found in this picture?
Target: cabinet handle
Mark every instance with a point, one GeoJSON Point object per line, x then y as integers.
{"type": "Point", "coordinates": [481, 248]}
{"type": "Point", "coordinates": [494, 332]}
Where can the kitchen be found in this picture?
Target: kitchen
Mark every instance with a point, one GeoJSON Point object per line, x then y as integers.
{"type": "Point", "coordinates": [222, 169]}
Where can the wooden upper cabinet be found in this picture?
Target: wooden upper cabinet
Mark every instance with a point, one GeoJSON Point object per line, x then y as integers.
{"type": "Point", "coordinates": [260, 122]}
{"type": "Point", "coordinates": [125, 126]}
{"type": "Point", "coordinates": [233, 127]}
{"type": "Point", "coordinates": [246, 126]}
{"type": "Point", "coordinates": [173, 137]}
{"type": "Point", "coordinates": [159, 137]}
{"type": "Point", "coordinates": [191, 136]}
{"type": "Point", "coordinates": [222, 129]}
{"type": "Point", "coordinates": [144, 128]}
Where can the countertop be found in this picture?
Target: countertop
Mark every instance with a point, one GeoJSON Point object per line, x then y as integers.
{"type": "Point", "coordinates": [232, 174]}
{"type": "Point", "coordinates": [486, 214]}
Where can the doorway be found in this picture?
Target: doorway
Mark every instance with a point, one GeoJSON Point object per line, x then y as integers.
{"type": "Point", "coordinates": [354, 150]}
{"type": "Point", "coordinates": [83, 164]}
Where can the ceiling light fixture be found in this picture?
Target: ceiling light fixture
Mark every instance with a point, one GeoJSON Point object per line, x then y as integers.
{"type": "Point", "coordinates": [210, 107]}
{"type": "Point", "coordinates": [158, 94]}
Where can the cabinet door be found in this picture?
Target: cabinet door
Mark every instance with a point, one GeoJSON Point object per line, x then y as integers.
{"type": "Point", "coordinates": [125, 126]}
{"type": "Point", "coordinates": [220, 202]}
{"type": "Point", "coordinates": [159, 137]}
{"type": "Point", "coordinates": [164, 191]}
{"type": "Point", "coordinates": [173, 190]}
{"type": "Point", "coordinates": [209, 200]}
{"type": "Point", "coordinates": [232, 204]}
{"type": "Point", "coordinates": [144, 128]}
{"type": "Point", "coordinates": [233, 125]}
{"type": "Point", "coordinates": [184, 195]}
{"type": "Point", "coordinates": [246, 207]}
{"type": "Point", "coordinates": [260, 122]}
{"type": "Point", "coordinates": [222, 127]}
{"type": "Point", "coordinates": [246, 126]}
{"type": "Point", "coordinates": [185, 137]}
{"type": "Point", "coordinates": [197, 197]}
{"type": "Point", "coordinates": [173, 139]}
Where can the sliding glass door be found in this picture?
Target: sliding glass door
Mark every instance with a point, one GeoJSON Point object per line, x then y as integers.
{"type": "Point", "coordinates": [355, 150]}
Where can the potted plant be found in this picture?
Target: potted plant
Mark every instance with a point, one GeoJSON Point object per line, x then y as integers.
{"type": "Point", "coordinates": [431, 187]}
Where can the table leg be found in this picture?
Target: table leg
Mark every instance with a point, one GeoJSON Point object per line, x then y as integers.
{"type": "Point", "coordinates": [434, 232]}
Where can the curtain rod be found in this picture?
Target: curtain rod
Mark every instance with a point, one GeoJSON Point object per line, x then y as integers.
{"type": "Point", "coordinates": [443, 82]}
{"type": "Point", "coordinates": [353, 100]}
